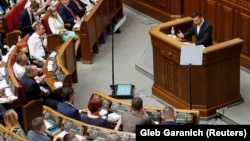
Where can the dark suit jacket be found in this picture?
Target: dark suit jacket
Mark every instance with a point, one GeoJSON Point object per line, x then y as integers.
{"type": "Point", "coordinates": [65, 15]}
{"type": "Point", "coordinates": [25, 23]}
{"type": "Point", "coordinates": [78, 12]}
{"type": "Point", "coordinates": [31, 88]}
{"type": "Point", "coordinates": [168, 123]}
{"type": "Point", "coordinates": [205, 34]}
{"type": "Point", "coordinates": [68, 110]}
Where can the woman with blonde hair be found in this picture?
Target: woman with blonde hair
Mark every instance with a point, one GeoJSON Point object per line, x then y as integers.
{"type": "Point", "coordinates": [56, 26]}
{"type": "Point", "coordinates": [11, 122]}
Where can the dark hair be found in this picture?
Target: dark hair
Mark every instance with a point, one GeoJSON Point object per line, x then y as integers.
{"type": "Point", "coordinates": [66, 93]}
{"type": "Point", "coordinates": [137, 103]}
{"type": "Point", "coordinates": [196, 14]}
{"type": "Point", "coordinates": [94, 104]}
{"type": "Point", "coordinates": [37, 123]}
{"type": "Point", "coordinates": [34, 5]}
{"type": "Point", "coordinates": [68, 137]}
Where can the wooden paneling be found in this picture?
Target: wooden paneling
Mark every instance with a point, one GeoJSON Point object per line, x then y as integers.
{"type": "Point", "coordinates": [229, 18]}
{"type": "Point", "coordinates": [162, 10]}
{"type": "Point", "coordinates": [93, 26]}
{"type": "Point", "coordinates": [204, 88]}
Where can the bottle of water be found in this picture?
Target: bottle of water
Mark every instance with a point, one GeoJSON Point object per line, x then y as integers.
{"type": "Point", "coordinates": [172, 32]}
{"type": "Point", "coordinates": [19, 38]}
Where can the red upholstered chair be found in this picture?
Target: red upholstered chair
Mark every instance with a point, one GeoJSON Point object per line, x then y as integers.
{"type": "Point", "coordinates": [10, 23]}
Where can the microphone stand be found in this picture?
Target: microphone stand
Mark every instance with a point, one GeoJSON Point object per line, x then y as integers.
{"type": "Point", "coordinates": [113, 77]}
{"type": "Point", "coordinates": [190, 87]}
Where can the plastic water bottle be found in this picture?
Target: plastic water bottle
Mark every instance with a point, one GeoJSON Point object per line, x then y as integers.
{"type": "Point", "coordinates": [19, 38]}
{"type": "Point", "coordinates": [172, 32]}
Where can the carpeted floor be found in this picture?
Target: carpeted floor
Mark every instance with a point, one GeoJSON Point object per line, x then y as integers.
{"type": "Point", "coordinates": [133, 64]}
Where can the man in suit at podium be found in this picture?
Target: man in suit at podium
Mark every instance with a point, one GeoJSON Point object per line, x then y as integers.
{"type": "Point", "coordinates": [202, 30]}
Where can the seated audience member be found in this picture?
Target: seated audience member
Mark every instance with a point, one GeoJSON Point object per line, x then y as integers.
{"type": "Point", "coordinates": [168, 116]}
{"type": "Point", "coordinates": [12, 123]}
{"type": "Point", "coordinates": [113, 137]}
{"type": "Point", "coordinates": [56, 25]}
{"type": "Point", "coordinates": [19, 65]}
{"type": "Point", "coordinates": [66, 107]}
{"type": "Point", "coordinates": [34, 91]}
{"type": "Point", "coordinates": [70, 137]}
{"type": "Point", "coordinates": [78, 7]}
{"type": "Point", "coordinates": [92, 115]}
{"type": "Point", "coordinates": [67, 13]}
{"type": "Point", "coordinates": [38, 131]}
{"type": "Point", "coordinates": [23, 48]}
{"type": "Point", "coordinates": [27, 19]}
{"type": "Point", "coordinates": [37, 43]}
{"type": "Point", "coordinates": [137, 113]}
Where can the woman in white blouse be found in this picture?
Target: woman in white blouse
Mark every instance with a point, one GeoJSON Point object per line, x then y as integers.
{"type": "Point", "coordinates": [56, 25]}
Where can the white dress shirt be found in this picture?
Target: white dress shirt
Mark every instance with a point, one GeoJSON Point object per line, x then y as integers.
{"type": "Point", "coordinates": [199, 27]}
{"type": "Point", "coordinates": [18, 70]}
{"type": "Point", "coordinates": [36, 49]}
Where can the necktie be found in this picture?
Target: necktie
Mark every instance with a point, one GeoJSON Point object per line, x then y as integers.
{"type": "Point", "coordinates": [42, 43]}
{"type": "Point", "coordinates": [71, 12]}
{"type": "Point", "coordinates": [32, 18]}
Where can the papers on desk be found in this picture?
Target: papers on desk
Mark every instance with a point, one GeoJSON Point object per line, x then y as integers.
{"type": "Point", "coordinates": [50, 66]}
{"type": "Point", "coordinates": [77, 24]}
{"type": "Point", "coordinates": [80, 138]}
{"type": "Point", "coordinates": [7, 91]}
{"type": "Point", "coordinates": [2, 72]}
{"type": "Point", "coordinates": [3, 84]}
{"type": "Point", "coordinates": [53, 54]}
{"type": "Point", "coordinates": [58, 84]}
{"type": "Point", "coordinates": [114, 117]}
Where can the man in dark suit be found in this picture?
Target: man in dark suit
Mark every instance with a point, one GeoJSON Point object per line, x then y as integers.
{"type": "Point", "coordinates": [67, 13]}
{"type": "Point", "coordinates": [27, 19]}
{"type": "Point", "coordinates": [78, 7]}
{"type": "Point", "coordinates": [66, 107]}
{"type": "Point", "coordinates": [201, 29]}
{"type": "Point", "coordinates": [34, 91]}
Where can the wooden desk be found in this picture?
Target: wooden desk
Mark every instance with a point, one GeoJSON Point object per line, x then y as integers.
{"type": "Point", "coordinates": [215, 84]}
{"type": "Point", "coordinates": [63, 54]}
{"type": "Point", "coordinates": [94, 25]}
{"type": "Point", "coordinates": [88, 131]}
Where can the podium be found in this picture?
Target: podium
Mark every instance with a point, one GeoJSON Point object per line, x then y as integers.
{"type": "Point", "coordinates": [215, 84]}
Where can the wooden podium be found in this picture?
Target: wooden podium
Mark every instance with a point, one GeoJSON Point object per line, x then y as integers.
{"type": "Point", "coordinates": [215, 84]}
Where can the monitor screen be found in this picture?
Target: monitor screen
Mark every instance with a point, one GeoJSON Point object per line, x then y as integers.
{"type": "Point", "coordinates": [123, 89]}
{"type": "Point", "coordinates": [51, 118]}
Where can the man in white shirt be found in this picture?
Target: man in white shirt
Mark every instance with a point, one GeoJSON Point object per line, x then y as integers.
{"type": "Point", "coordinates": [19, 65]}
{"type": "Point", "coordinates": [37, 44]}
